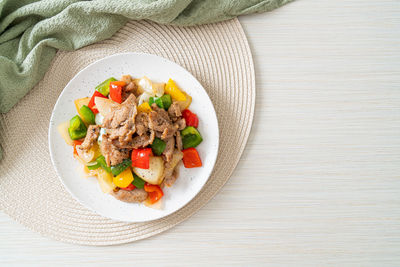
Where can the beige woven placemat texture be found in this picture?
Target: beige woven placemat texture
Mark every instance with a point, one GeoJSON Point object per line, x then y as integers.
{"type": "Point", "coordinates": [218, 55]}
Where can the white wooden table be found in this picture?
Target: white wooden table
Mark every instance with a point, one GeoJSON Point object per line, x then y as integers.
{"type": "Point", "coordinates": [319, 182]}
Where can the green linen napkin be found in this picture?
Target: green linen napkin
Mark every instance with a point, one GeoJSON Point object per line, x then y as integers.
{"type": "Point", "coordinates": [32, 31]}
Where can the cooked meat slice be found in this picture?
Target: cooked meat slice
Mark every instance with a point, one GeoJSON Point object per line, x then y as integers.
{"type": "Point", "coordinates": [120, 123]}
{"type": "Point", "coordinates": [174, 111]}
{"type": "Point", "coordinates": [178, 140]}
{"type": "Point", "coordinates": [169, 149]}
{"type": "Point", "coordinates": [159, 118]}
{"type": "Point", "coordinates": [169, 132]}
{"type": "Point", "coordinates": [136, 195]}
{"type": "Point", "coordinates": [158, 134]}
{"type": "Point", "coordinates": [130, 88]}
{"type": "Point", "coordinates": [91, 137]}
{"type": "Point", "coordinates": [171, 168]}
{"type": "Point", "coordinates": [142, 123]}
{"type": "Point", "coordinates": [137, 142]}
{"type": "Point", "coordinates": [180, 124]}
{"type": "Point", "coordinates": [170, 179]}
{"type": "Point", "coordinates": [121, 114]}
{"type": "Point", "coordinates": [143, 140]}
{"type": "Point", "coordinates": [113, 154]}
{"type": "Point", "coordinates": [126, 78]}
{"type": "Point", "coordinates": [160, 122]}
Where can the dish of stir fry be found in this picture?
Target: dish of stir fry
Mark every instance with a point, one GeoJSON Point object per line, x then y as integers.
{"type": "Point", "coordinates": [132, 134]}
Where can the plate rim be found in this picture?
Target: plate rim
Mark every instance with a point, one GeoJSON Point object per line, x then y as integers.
{"type": "Point", "coordinates": [50, 143]}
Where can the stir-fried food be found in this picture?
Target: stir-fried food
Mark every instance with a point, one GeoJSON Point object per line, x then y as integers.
{"type": "Point", "coordinates": [132, 135]}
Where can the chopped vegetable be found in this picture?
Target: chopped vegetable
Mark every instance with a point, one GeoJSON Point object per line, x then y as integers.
{"type": "Point", "coordinates": [77, 129]}
{"type": "Point", "coordinates": [190, 118]}
{"type": "Point", "coordinates": [105, 180]}
{"type": "Point", "coordinates": [63, 130]}
{"type": "Point", "coordinates": [80, 102]}
{"type": "Point", "coordinates": [105, 105]}
{"type": "Point", "coordinates": [162, 102]}
{"type": "Point", "coordinates": [191, 158]}
{"type": "Point", "coordinates": [156, 100]}
{"type": "Point", "coordinates": [102, 161]}
{"type": "Point", "coordinates": [144, 107]}
{"type": "Point", "coordinates": [77, 143]}
{"type": "Point", "coordinates": [87, 115]}
{"type": "Point", "coordinates": [137, 181]}
{"type": "Point", "coordinates": [190, 137]}
{"type": "Point", "coordinates": [117, 169]}
{"type": "Point", "coordinates": [185, 104]}
{"type": "Point", "coordinates": [145, 85]}
{"type": "Point", "coordinates": [93, 165]}
{"type": "Point", "coordinates": [155, 173]}
{"type": "Point", "coordinates": [158, 146]}
{"type": "Point", "coordinates": [129, 187]}
{"type": "Point", "coordinates": [92, 104]}
{"type": "Point", "coordinates": [99, 119]}
{"type": "Point", "coordinates": [118, 83]}
{"type": "Point", "coordinates": [89, 173]}
{"type": "Point", "coordinates": [124, 179]}
{"type": "Point", "coordinates": [87, 156]}
{"type": "Point", "coordinates": [116, 91]}
{"type": "Point", "coordinates": [143, 98]}
{"type": "Point", "coordinates": [155, 192]}
{"type": "Point", "coordinates": [158, 89]}
{"type": "Point", "coordinates": [104, 87]}
{"type": "Point", "coordinates": [172, 89]}
{"type": "Point", "coordinates": [166, 100]}
{"type": "Point", "coordinates": [140, 157]}
{"type": "Point", "coordinates": [102, 132]}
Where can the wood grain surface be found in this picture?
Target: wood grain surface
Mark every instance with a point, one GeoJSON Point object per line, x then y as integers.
{"type": "Point", "coordinates": [319, 182]}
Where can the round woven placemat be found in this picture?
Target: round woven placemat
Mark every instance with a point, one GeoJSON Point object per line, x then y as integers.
{"type": "Point", "coordinates": [218, 55]}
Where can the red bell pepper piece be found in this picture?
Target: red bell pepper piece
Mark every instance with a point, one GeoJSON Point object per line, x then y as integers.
{"type": "Point", "coordinates": [191, 158]}
{"type": "Point", "coordinates": [77, 143]}
{"type": "Point", "coordinates": [190, 118]}
{"type": "Point", "coordinates": [129, 187]}
{"type": "Point", "coordinates": [116, 91]}
{"type": "Point", "coordinates": [155, 192]}
{"type": "Point", "coordinates": [141, 158]}
{"type": "Point", "coordinates": [91, 102]}
{"type": "Point", "coordinates": [119, 83]}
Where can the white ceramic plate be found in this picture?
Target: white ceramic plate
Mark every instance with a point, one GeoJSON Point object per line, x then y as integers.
{"type": "Point", "coordinates": [87, 190]}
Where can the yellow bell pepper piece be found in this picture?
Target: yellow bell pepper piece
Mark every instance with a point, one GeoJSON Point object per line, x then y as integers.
{"type": "Point", "coordinates": [80, 102]}
{"type": "Point", "coordinates": [185, 104]}
{"type": "Point", "coordinates": [105, 180]}
{"type": "Point", "coordinates": [123, 179]}
{"type": "Point", "coordinates": [172, 89]}
{"type": "Point", "coordinates": [144, 107]}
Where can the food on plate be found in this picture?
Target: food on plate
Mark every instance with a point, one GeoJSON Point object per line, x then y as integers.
{"type": "Point", "coordinates": [132, 134]}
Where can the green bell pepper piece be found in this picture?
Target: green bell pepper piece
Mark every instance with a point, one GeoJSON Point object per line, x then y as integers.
{"type": "Point", "coordinates": [162, 102]}
{"type": "Point", "coordinates": [151, 100]}
{"type": "Point", "coordinates": [77, 129]}
{"type": "Point", "coordinates": [137, 181]}
{"type": "Point", "coordinates": [166, 100]}
{"type": "Point", "coordinates": [93, 165]}
{"type": "Point", "coordinates": [158, 146]}
{"type": "Point", "coordinates": [117, 169]}
{"type": "Point", "coordinates": [156, 100]}
{"type": "Point", "coordinates": [104, 87]}
{"type": "Point", "coordinates": [87, 115]}
{"type": "Point", "coordinates": [101, 160]}
{"type": "Point", "coordinates": [190, 137]}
